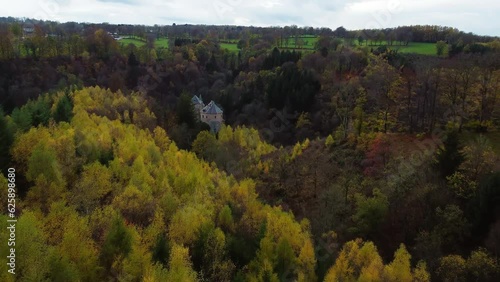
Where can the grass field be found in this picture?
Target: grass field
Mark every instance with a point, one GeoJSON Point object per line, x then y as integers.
{"type": "Point", "coordinates": [308, 42]}
{"type": "Point", "coordinates": [417, 47]}
{"type": "Point", "coordinates": [412, 47]}
{"type": "Point", "coordinates": [160, 43]}
{"type": "Point", "coordinates": [232, 47]}
{"type": "Point", "coordinates": [136, 42]}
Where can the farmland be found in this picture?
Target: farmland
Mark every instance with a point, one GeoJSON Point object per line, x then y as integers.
{"type": "Point", "coordinates": [139, 42]}
{"type": "Point", "coordinates": [417, 47]}
{"type": "Point", "coordinates": [232, 47]}
{"type": "Point", "coordinates": [421, 48]}
{"type": "Point", "coordinates": [306, 43]}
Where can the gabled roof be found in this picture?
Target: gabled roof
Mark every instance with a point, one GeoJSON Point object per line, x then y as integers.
{"type": "Point", "coordinates": [212, 109]}
{"type": "Point", "coordinates": [196, 100]}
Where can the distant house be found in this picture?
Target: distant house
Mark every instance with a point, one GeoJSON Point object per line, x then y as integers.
{"type": "Point", "coordinates": [210, 114]}
{"type": "Point", "coordinates": [28, 31]}
{"type": "Point", "coordinates": [197, 103]}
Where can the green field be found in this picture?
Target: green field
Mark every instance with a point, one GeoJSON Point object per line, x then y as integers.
{"type": "Point", "coordinates": [418, 48]}
{"type": "Point", "coordinates": [412, 47]}
{"type": "Point", "coordinates": [308, 42]}
{"type": "Point", "coordinates": [160, 43]}
{"type": "Point", "coordinates": [136, 42]}
{"type": "Point", "coordinates": [232, 47]}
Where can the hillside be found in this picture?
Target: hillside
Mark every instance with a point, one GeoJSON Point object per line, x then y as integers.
{"type": "Point", "coordinates": [110, 196]}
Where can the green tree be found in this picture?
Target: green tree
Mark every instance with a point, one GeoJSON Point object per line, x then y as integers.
{"type": "Point", "coordinates": [6, 139]}
{"type": "Point", "coordinates": [135, 205]}
{"type": "Point", "coordinates": [241, 44]}
{"type": "Point", "coordinates": [94, 184]}
{"type": "Point", "coordinates": [180, 266]}
{"type": "Point", "coordinates": [482, 267]}
{"type": "Point", "coordinates": [161, 250]}
{"type": "Point", "coordinates": [451, 268]}
{"type": "Point", "coordinates": [17, 31]}
{"type": "Point", "coordinates": [452, 227]}
{"type": "Point", "coordinates": [206, 146]}
{"type": "Point", "coordinates": [185, 111]}
{"type": "Point", "coordinates": [285, 258]}
{"type": "Point", "coordinates": [60, 268]}
{"type": "Point", "coordinates": [39, 110]}
{"type": "Point", "coordinates": [30, 240]}
{"type": "Point", "coordinates": [449, 156]}
{"type": "Point", "coordinates": [479, 158]}
{"type": "Point", "coordinates": [6, 46]}
{"type": "Point", "coordinates": [21, 119]}
{"type": "Point", "coordinates": [225, 219]}
{"type": "Point", "coordinates": [440, 48]}
{"type": "Point", "coordinates": [64, 109]}
{"type": "Point", "coordinates": [370, 212]}
{"type": "Point", "coordinates": [216, 265]}
{"type": "Point", "coordinates": [43, 162]}
{"type": "Point", "coordinates": [117, 244]}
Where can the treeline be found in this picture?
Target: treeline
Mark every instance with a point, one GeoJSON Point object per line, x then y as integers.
{"type": "Point", "coordinates": [421, 33]}
{"type": "Point", "coordinates": [417, 33]}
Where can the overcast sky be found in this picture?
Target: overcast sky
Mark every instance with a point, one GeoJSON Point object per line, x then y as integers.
{"type": "Point", "coordinates": [480, 16]}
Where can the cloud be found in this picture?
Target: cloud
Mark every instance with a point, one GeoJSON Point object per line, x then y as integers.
{"type": "Point", "coordinates": [353, 14]}
{"type": "Point", "coordinates": [120, 1]}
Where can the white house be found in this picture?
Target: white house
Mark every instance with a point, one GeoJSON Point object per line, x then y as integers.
{"type": "Point", "coordinates": [210, 114]}
{"type": "Point", "coordinates": [197, 103]}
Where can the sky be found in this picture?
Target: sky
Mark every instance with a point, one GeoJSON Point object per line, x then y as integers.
{"type": "Point", "coordinates": [480, 17]}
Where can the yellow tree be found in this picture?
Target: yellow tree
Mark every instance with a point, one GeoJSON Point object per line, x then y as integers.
{"type": "Point", "coordinates": [360, 261]}
{"type": "Point", "coordinates": [179, 266]}
{"type": "Point", "coordinates": [451, 268]}
{"type": "Point", "coordinates": [78, 246]}
{"type": "Point", "coordinates": [400, 268]}
{"type": "Point", "coordinates": [30, 240]}
{"type": "Point", "coordinates": [93, 185]}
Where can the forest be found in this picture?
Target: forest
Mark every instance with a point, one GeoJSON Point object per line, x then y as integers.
{"type": "Point", "coordinates": [343, 161]}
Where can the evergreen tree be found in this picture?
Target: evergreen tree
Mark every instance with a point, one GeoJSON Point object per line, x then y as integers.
{"type": "Point", "coordinates": [133, 71]}
{"type": "Point", "coordinates": [132, 60]}
{"type": "Point", "coordinates": [64, 109]}
{"type": "Point", "coordinates": [118, 243]}
{"type": "Point", "coordinates": [40, 111]}
{"type": "Point", "coordinates": [161, 250]}
{"type": "Point", "coordinates": [6, 139]}
{"type": "Point", "coordinates": [185, 111]}
{"type": "Point", "coordinates": [449, 157]}
{"type": "Point", "coordinates": [212, 64]}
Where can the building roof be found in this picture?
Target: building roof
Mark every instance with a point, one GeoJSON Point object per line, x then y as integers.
{"type": "Point", "coordinates": [212, 109]}
{"type": "Point", "coordinates": [196, 100]}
